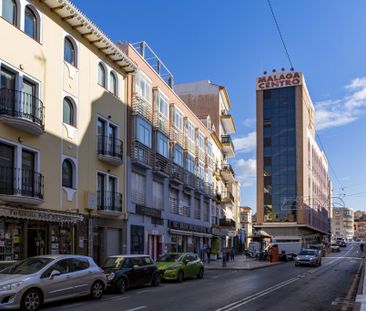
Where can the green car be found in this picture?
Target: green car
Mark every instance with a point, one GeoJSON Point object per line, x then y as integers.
{"type": "Point", "coordinates": [178, 266]}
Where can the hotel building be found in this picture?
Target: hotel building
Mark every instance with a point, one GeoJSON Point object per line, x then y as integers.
{"type": "Point", "coordinates": [62, 132]}
{"type": "Point", "coordinates": [293, 187]}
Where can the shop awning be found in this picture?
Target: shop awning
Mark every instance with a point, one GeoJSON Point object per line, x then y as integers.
{"type": "Point", "coordinates": [202, 235]}
{"type": "Point", "coordinates": [39, 215]}
{"type": "Point", "coordinates": [180, 232]}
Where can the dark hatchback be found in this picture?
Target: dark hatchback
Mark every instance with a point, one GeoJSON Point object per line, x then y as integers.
{"type": "Point", "coordinates": [127, 271]}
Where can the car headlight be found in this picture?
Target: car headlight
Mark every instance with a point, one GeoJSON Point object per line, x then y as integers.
{"type": "Point", "coordinates": [297, 258]}
{"type": "Point", "coordinates": [110, 276]}
{"type": "Point", "coordinates": [173, 267]}
{"type": "Point", "coordinates": [10, 286]}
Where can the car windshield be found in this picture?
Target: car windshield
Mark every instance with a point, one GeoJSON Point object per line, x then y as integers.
{"type": "Point", "coordinates": [113, 262]}
{"type": "Point", "coordinates": [169, 257]}
{"type": "Point", "coordinates": [27, 266]}
{"type": "Point", "coordinates": [307, 252]}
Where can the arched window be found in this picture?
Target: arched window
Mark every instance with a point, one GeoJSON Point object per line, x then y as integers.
{"type": "Point", "coordinates": [113, 83]}
{"type": "Point", "coordinates": [69, 52]}
{"type": "Point", "coordinates": [67, 174]}
{"type": "Point", "coordinates": [30, 23]}
{"type": "Point", "coordinates": [68, 112]}
{"type": "Point", "coordinates": [101, 75]}
{"type": "Point", "coordinates": [10, 11]}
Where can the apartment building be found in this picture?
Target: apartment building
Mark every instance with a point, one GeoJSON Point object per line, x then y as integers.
{"type": "Point", "coordinates": [246, 224]}
{"type": "Point", "coordinates": [343, 223]}
{"type": "Point", "coordinates": [293, 186]}
{"type": "Point", "coordinates": [62, 127]}
{"type": "Point", "coordinates": [209, 100]}
{"type": "Point", "coordinates": [169, 165]}
{"type": "Point", "coordinates": [360, 225]}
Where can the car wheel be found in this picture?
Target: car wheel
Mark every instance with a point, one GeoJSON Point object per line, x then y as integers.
{"type": "Point", "coordinates": [200, 273]}
{"type": "Point", "coordinates": [180, 276]}
{"type": "Point", "coordinates": [122, 286]}
{"type": "Point", "coordinates": [97, 290]}
{"type": "Point", "coordinates": [156, 280]}
{"type": "Point", "coordinates": [31, 300]}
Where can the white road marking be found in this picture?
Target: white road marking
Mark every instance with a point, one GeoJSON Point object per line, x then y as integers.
{"type": "Point", "coordinates": [137, 308]}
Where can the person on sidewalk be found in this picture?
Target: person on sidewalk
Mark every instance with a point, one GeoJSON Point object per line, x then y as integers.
{"type": "Point", "coordinates": [208, 253]}
{"type": "Point", "coordinates": [361, 247]}
{"type": "Point", "coordinates": [232, 254]}
{"type": "Point", "coordinates": [227, 250]}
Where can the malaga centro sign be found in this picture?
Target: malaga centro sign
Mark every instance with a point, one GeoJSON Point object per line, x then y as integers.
{"type": "Point", "coordinates": [284, 79]}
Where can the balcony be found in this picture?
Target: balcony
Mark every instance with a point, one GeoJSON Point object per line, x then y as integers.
{"type": "Point", "coordinates": [226, 223]}
{"type": "Point", "coordinates": [110, 150]}
{"type": "Point", "coordinates": [141, 106]}
{"type": "Point", "coordinates": [141, 155]}
{"type": "Point", "coordinates": [173, 206]}
{"type": "Point", "coordinates": [189, 180]}
{"type": "Point", "coordinates": [210, 162]}
{"type": "Point", "coordinates": [161, 164]}
{"type": "Point", "coordinates": [22, 110]}
{"type": "Point", "coordinates": [228, 123]}
{"type": "Point", "coordinates": [227, 197]}
{"type": "Point", "coordinates": [227, 146]}
{"type": "Point", "coordinates": [208, 189]}
{"type": "Point", "coordinates": [200, 154]}
{"type": "Point", "coordinates": [189, 145]}
{"type": "Point", "coordinates": [161, 123]}
{"type": "Point", "coordinates": [227, 173]}
{"type": "Point", "coordinates": [21, 186]}
{"type": "Point", "coordinates": [200, 185]}
{"type": "Point", "coordinates": [176, 173]}
{"type": "Point", "coordinates": [176, 136]}
{"type": "Point", "coordinates": [109, 203]}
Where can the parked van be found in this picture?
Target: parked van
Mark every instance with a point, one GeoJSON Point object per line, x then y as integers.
{"type": "Point", "coordinates": [289, 245]}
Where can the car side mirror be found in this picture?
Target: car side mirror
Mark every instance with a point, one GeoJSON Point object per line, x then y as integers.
{"type": "Point", "coordinates": [54, 273]}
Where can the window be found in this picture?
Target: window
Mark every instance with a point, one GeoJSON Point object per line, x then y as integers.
{"type": "Point", "coordinates": [163, 105]}
{"type": "Point", "coordinates": [143, 86]}
{"type": "Point", "coordinates": [137, 240]}
{"type": "Point", "coordinates": [69, 52]}
{"type": "Point", "coordinates": [138, 188]}
{"type": "Point", "coordinates": [201, 171]}
{"type": "Point", "coordinates": [101, 75]}
{"type": "Point", "coordinates": [190, 163]}
{"type": "Point", "coordinates": [178, 119]}
{"type": "Point", "coordinates": [10, 11]}
{"type": "Point", "coordinates": [144, 130]}
{"type": "Point", "coordinates": [162, 145]}
{"type": "Point", "coordinates": [190, 131]}
{"type": "Point", "coordinates": [158, 189]}
{"type": "Point", "coordinates": [67, 174]}
{"type": "Point", "coordinates": [68, 112]}
{"type": "Point", "coordinates": [30, 23]}
{"type": "Point", "coordinates": [178, 155]}
{"type": "Point", "coordinates": [113, 83]}
{"type": "Point", "coordinates": [197, 208]}
{"type": "Point", "coordinates": [201, 141]}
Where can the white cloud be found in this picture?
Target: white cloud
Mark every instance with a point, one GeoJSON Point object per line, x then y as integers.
{"type": "Point", "coordinates": [333, 113]}
{"type": "Point", "coordinates": [250, 122]}
{"type": "Point", "coordinates": [246, 143]}
{"type": "Point", "coordinates": [245, 171]}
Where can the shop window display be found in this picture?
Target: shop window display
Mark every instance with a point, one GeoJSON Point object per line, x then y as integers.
{"type": "Point", "coordinates": [10, 241]}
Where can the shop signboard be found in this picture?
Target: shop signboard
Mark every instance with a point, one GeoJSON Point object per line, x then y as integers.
{"type": "Point", "coordinates": [147, 211]}
{"type": "Point", "coordinates": [282, 79]}
{"type": "Point", "coordinates": [188, 227]}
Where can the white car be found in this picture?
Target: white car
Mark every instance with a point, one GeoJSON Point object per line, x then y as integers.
{"type": "Point", "coordinates": [334, 247]}
{"type": "Point", "coordinates": [36, 280]}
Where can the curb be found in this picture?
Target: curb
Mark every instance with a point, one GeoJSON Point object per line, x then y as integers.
{"type": "Point", "coordinates": [361, 291]}
{"type": "Point", "coordinates": [244, 269]}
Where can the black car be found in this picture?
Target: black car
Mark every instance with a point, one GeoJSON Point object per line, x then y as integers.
{"type": "Point", "coordinates": [126, 271]}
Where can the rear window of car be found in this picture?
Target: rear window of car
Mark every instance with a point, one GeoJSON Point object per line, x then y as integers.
{"type": "Point", "coordinates": [307, 252]}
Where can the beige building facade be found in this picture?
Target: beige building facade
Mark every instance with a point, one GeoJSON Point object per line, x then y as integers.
{"type": "Point", "coordinates": [62, 127]}
{"type": "Point", "coordinates": [343, 223]}
{"type": "Point", "coordinates": [246, 224]}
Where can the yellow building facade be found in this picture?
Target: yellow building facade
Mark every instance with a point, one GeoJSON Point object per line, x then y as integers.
{"type": "Point", "coordinates": [62, 117]}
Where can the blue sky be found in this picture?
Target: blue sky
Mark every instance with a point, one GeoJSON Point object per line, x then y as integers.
{"type": "Point", "coordinates": [234, 43]}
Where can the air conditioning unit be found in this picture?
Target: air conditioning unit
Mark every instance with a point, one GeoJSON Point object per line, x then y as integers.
{"type": "Point", "coordinates": [91, 201]}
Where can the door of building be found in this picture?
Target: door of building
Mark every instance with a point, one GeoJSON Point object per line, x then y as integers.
{"type": "Point", "coordinates": [37, 241]}
{"type": "Point", "coordinates": [155, 246]}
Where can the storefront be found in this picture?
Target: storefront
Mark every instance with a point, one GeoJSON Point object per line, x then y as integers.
{"type": "Point", "coordinates": [32, 232]}
{"type": "Point", "coordinates": [189, 237]}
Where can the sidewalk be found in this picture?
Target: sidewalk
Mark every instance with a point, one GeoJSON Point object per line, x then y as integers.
{"type": "Point", "coordinates": [241, 262]}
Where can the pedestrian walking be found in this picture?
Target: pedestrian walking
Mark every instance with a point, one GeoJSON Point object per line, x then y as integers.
{"type": "Point", "coordinates": [232, 254]}
{"type": "Point", "coordinates": [227, 254]}
{"type": "Point", "coordinates": [361, 247]}
{"type": "Point", "coordinates": [208, 253]}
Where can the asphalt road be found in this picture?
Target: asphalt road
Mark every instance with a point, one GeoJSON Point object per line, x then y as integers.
{"type": "Point", "coordinates": [281, 287]}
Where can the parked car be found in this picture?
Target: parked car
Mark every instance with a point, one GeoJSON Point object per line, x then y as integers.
{"type": "Point", "coordinates": [308, 257]}
{"type": "Point", "coordinates": [178, 266]}
{"type": "Point", "coordinates": [36, 280]}
{"type": "Point", "coordinates": [341, 242]}
{"type": "Point", "coordinates": [126, 271]}
{"type": "Point", "coordinates": [320, 248]}
{"type": "Point", "coordinates": [334, 247]}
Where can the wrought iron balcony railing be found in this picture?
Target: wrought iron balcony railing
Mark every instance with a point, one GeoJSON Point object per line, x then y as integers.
{"type": "Point", "coordinates": [110, 146]}
{"type": "Point", "coordinates": [20, 105]}
{"type": "Point", "coordinates": [21, 182]}
{"type": "Point", "coordinates": [109, 201]}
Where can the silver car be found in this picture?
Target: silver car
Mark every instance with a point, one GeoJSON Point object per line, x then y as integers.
{"type": "Point", "coordinates": [309, 257]}
{"type": "Point", "coordinates": [37, 280]}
